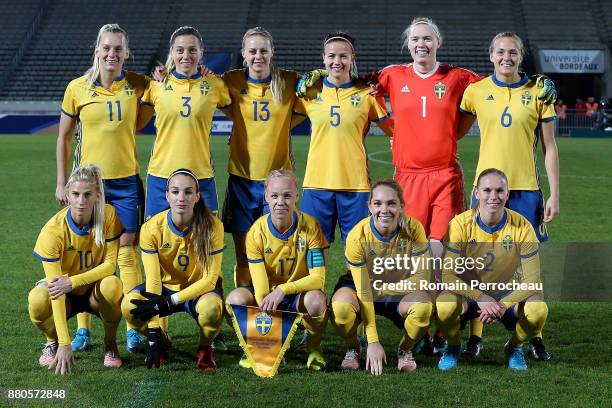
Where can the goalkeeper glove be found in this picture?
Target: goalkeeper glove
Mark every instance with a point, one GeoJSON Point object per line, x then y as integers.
{"type": "Point", "coordinates": [548, 93]}
{"type": "Point", "coordinates": [153, 306]}
{"type": "Point", "coordinates": [308, 80]}
{"type": "Point", "coordinates": [155, 349]}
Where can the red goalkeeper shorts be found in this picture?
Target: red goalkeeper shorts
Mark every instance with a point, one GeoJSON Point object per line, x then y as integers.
{"type": "Point", "coordinates": [433, 197]}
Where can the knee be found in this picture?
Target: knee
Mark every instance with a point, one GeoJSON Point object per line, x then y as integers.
{"type": "Point", "coordinates": [38, 302]}
{"type": "Point", "coordinates": [420, 313]}
{"type": "Point", "coordinates": [111, 289]}
{"type": "Point", "coordinates": [127, 305]}
{"type": "Point", "coordinates": [239, 296]}
{"type": "Point", "coordinates": [536, 312]}
{"type": "Point", "coordinates": [448, 310]}
{"type": "Point", "coordinates": [209, 309]}
{"type": "Point", "coordinates": [315, 303]}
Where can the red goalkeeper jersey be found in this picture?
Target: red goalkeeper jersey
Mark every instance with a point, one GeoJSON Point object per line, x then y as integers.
{"type": "Point", "coordinates": [426, 113]}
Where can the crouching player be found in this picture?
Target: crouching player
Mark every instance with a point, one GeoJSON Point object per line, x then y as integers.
{"type": "Point", "coordinates": [78, 248]}
{"type": "Point", "coordinates": [181, 253]}
{"type": "Point", "coordinates": [285, 255]}
{"type": "Point", "coordinates": [503, 248]}
{"type": "Point", "coordinates": [387, 233]}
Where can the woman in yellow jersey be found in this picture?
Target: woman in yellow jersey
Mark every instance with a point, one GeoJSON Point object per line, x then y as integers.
{"type": "Point", "coordinates": [340, 108]}
{"type": "Point", "coordinates": [103, 105]}
{"type": "Point", "coordinates": [287, 267]}
{"type": "Point", "coordinates": [262, 112]}
{"type": "Point", "coordinates": [492, 269]}
{"type": "Point", "coordinates": [388, 234]}
{"type": "Point", "coordinates": [78, 249]}
{"type": "Point", "coordinates": [512, 119]}
{"type": "Point", "coordinates": [184, 103]}
{"type": "Point", "coordinates": [182, 249]}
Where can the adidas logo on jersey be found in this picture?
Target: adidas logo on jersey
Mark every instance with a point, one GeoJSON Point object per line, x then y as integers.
{"type": "Point", "coordinates": [490, 98]}
{"type": "Point", "coordinates": [405, 89]}
{"type": "Point", "coordinates": [243, 92]}
{"type": "Point", "coordinates": [168, 88]}
{"type": "Point", "coordinates": [94, 94]}
{"type": "Point", "coordinates": [166, 246]}
{"type": "Point", "coordinates": [268, 250]}
{"type": "Point", "coordinates": [472, 241]}
{"type": "Point", "coordinates": [70, 248]}
{"type": "Point", "coordinates": [319, 99]}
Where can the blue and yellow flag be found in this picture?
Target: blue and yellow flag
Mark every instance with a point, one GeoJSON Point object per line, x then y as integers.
{"type": "Point", "coordinates": [264, 336]}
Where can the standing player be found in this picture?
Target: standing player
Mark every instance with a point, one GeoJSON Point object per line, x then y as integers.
{"type": "Point", "coordinates": [103, 106]}
{"type": "Point", "coordinates": [286, 262]}
{"type": "Point", "coordinates": [340, 108]}
{"type": "Point", "coordinates": [262, 112]}
{"type": "Point", "coordinates": [504, 249]}
{"type": "Point", "coordinates": [511, 119]}
{"type": "Point", "coordinates": [387, 233]}
{"type": "Point", "coordinates": [78, 249]}
{"type": "Point", "coordinates": [184, 104]}
{"type": "Point", "coordinates": [181, 253]}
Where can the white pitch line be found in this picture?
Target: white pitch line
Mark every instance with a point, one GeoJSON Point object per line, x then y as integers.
{"type": "Point", "coordinates": [572, 176]}
{"type": "Point", "coordinates": [144, 392]}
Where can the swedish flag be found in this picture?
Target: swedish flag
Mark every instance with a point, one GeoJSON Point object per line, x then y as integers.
{"type": "Point", "coordinates": [264, 337]}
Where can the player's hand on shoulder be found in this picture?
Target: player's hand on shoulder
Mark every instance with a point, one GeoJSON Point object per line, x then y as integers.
{"type": "Point", "coordinates": [307, 80]}
{"type": "Point", "coordinates": [547, 91]}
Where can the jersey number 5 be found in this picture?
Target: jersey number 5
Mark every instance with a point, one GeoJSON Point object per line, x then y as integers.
{"type": "Point", "coordinates": [335, 115]}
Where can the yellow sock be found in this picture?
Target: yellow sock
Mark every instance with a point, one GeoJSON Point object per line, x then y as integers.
{"type": "Point", "coordinates": [210, 318]}
{"type": "Point", "coordinates": [476, 327]}
{"type": "Point", "coordinates": [344, 319]}
{"type": "Point", "coordinates": [315, 325]}
{"type": "Point", "coordinates": [41, 313]}
{"type": "Point", "coordinates": [84, 321]}
{"type": "Point", "coordinates": [129, 268]}
{"type": "Point", "coordinates": [531, 320]}
{"type": "Point", "coordinates": [108, 292]}
{"type": "Point", "coordinates": [449, 309]}
{"type": "Point", "coordinates": [416, 323]}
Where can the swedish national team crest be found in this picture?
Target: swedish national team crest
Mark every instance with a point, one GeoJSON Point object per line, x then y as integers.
{"type": "Point", "coordinates": [355, 99]}
{"type": "Point", "coordinates": [128, 89]}
{"type": "Point", "coordinates": [264, 337]}
{"type": "Point", "coordinates": [507, 243]}
{"type": "Point", "coordinates": [204, 88]}
{"type": "Point", "coordinates": [439, 89]}
{"type": "Point", "coordinates": [301, 244]}
{"type": "Point", "coordinates": [263, 322]}
{"type": "Point", "coordinates": [525, 98]}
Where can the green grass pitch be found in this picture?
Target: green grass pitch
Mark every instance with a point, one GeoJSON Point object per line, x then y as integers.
{"type": "Point", "coordinates": [578, 334]}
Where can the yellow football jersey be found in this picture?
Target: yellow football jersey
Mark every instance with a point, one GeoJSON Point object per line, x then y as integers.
{"type": "Point", "coordinates": [291, 260]}
{"type": "Point", "coordinates": [365, 246]}
{"type": "Point", "coordinates": [184, 109]}
{"type": "Point", "coordinates": [340, 117]}
{"type": "Point", "coordinates": [260, 140]}
{"type": "Point", "coordinates": [506, 252]}
{"type": "Point", "coordinates": [106, 123]}
{"type": "Point", "coordinates": [169, 260]}
{"type": "Point", "coordinates": [65, 249]}
{"type": "Point", "coordinates": [508, 116]}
